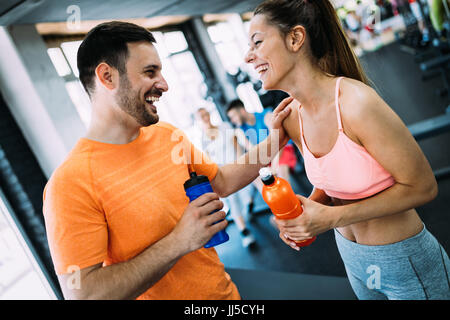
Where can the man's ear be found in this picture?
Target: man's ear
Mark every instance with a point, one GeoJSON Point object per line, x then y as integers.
{"type": "Point", "coordinates": [295, 38]}
{"type": "Point", "coordinates": [107, 76]}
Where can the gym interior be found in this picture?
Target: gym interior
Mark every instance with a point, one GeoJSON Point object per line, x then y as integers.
{"type": "Point", "coordinates": [404, 48]}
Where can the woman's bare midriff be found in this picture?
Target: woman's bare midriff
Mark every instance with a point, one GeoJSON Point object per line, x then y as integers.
{"type": "Point", "coordinates": [381, 231]}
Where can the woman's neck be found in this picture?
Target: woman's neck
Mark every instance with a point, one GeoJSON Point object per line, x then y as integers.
{"type": "Point", "coordinates": [311, 87]}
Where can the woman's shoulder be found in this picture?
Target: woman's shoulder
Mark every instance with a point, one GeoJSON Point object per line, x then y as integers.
{"type": "Point", "coordinates": [356, 89]}
{"type": "Point", "coordinates": [357, 100]}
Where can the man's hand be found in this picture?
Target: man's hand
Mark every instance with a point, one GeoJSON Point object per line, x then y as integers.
{"type": "Point", "coordinates": [197, 226]}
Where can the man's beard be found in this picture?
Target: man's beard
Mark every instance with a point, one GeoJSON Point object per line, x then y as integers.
{"type": "Point", "coordinates": [130, 102]}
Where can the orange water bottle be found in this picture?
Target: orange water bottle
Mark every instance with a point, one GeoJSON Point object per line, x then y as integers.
{"type": "Point", "coordinates": [281, 199]}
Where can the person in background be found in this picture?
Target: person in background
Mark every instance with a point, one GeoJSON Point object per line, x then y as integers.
{"type": "Point", "coordinates": [221, 145]}
{"type": "Point", "coordinates": [254, 128]}
{"type": "Point", "coordinates": [353, 22]}
{"type": "Point", "coordinates": [417, 12]}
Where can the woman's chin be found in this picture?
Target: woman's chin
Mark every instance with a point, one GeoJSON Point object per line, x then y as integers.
{"type": "Point", "coordinates": [267, 85]}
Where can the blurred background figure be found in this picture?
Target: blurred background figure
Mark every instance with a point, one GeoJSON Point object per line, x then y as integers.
{"type": "Point", "coordinates": [352, 22]}
{"type": "Point", "coordinates": [253, 128]}
{"type": "Point", "coordinates": [417, 12]}
{"type": "Point", "coordinates": [220, 143]}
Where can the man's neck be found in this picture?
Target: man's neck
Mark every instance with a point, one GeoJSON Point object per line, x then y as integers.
{"type": "Point", "coordinates": [111, 125]}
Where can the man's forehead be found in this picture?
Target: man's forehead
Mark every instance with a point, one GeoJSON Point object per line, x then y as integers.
{"type": "Point", "coordinates": [143, 53]}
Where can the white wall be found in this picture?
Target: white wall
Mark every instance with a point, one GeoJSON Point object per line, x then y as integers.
{"type": "Point", "coordinates": [37, 96]}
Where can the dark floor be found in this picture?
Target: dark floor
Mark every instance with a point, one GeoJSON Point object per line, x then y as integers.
{"type": "Point", "coordinates": [397, 79]}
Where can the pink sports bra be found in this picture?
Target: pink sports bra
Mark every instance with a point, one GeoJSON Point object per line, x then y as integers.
{"type": "Point", "coordinates": [348, 171]}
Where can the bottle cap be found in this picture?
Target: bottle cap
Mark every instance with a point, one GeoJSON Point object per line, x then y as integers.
{"type": "Point", "coordinates": [195, 180]}
{"type": "Point", "coordinates": [266, 176]}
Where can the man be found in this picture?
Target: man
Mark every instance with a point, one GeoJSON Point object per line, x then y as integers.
{"type": "Point", "coordinates": [116, 213]}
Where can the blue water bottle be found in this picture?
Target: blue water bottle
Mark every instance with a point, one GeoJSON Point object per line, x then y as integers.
{"type": "Point", "coordinates": [195, 187]}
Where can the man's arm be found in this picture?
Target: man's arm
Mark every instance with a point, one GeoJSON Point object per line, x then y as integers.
{"type": "Point", "coordinates": [129, 279]}
{"type": "Point", "coordinates": [242, 141]}
{"type": "Point", "coordinates": [126, 280]}
{"type": "Point", "coordinates": [233, 177]}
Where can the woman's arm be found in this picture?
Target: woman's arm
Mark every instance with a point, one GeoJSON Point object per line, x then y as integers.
{"type": "Point", "coordinates": [370, 121]}
{"type": "Point", "coordinates": [318, 195]}
{"type": "Point", "coordinates": [389, 141]}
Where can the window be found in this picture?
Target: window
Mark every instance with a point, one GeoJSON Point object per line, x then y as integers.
{"type": "Point", "coordinates": [64, 58]}
{"type": "Point", "coordinates": [70, 51]}
{"type": "Point", "coordinates": [21, 277]}
{"type": "Point", "coordinates": [187, 87]}
{"type": "Point", "coordinates": [230, 40]}
{"type": "Point", "coordinates": [59, 61]}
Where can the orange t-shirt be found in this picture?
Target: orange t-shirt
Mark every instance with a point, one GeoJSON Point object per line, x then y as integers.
{"type": "Point", "coordinates": [107, 203]}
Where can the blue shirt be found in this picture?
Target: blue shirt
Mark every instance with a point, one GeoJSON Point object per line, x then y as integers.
{"type": "Point", "coordinates": [259, 131]}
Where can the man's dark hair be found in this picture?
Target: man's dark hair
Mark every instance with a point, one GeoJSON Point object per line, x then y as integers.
{"type": "Point", "coordinates": [235, 104]}
{"type": "Point", "coordinates": [107, 42]}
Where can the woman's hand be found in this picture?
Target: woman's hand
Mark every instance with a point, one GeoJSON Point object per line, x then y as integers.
{"type": "Point", "coordinates": [279, 114]}
{"type": "Point", "coordinates": [315, 219]}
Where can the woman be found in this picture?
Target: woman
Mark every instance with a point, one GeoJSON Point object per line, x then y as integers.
{"type": "Point", "coordinates": [367, 170]}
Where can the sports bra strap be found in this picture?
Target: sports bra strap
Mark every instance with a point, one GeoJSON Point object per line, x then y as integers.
{"type": "Point", "coordinates": [300, 120]}
{"type": "Point", "coordinates": [336, 99]}
{"type": "Point", "coordinates": [338, 113]}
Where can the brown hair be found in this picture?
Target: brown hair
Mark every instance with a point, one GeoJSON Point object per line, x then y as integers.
{"type": "Point", "coordinates": [107, 42]}
{"type": "Point", "coordinates": [328, 43]}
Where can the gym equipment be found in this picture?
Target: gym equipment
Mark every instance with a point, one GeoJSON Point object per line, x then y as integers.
{"type": "Point", "coordinates": [412, 37]}
{"type": "Point", "coordinates": [435, 62]}
{"type": "Point", "coordinates": [429, 128]}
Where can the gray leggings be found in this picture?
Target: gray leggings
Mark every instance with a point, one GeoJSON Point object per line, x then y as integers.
{"type": "Point", "coordinates": [416, 268]}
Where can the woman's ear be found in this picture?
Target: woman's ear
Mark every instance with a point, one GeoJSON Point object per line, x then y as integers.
{"type": "Point", "coordinates": [296, 38]}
